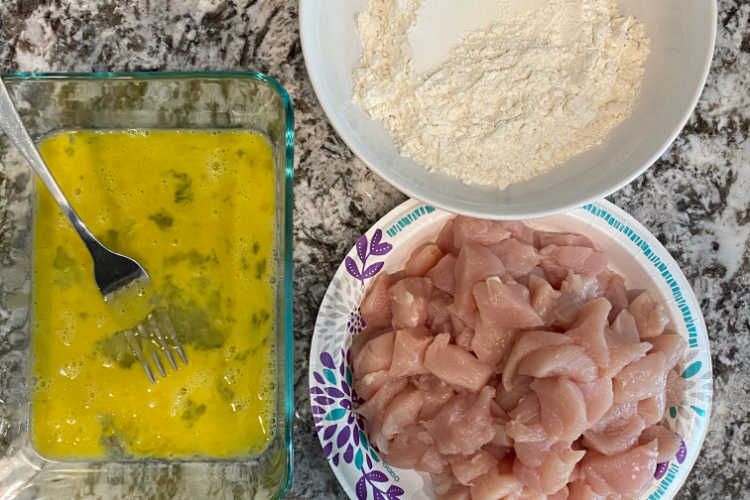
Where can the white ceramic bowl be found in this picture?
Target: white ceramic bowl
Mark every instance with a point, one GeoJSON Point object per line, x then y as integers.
{"type": "Point", "coordinates": [682, 36]}
{"type": "Point", "coordinates": [632, 250]}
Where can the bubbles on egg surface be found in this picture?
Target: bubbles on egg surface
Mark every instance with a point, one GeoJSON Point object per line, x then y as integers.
{"type": "Point", "coordinates": [42, 386]}
{"type": "Point", "coordinates": [230, 352]}
{"type": "Point", "coordinates": [201, 378]}
{"type": "Point", "coordinates": [233, 374]}
{"type": "Point", "coordinates": [65, 335]}
{"type": "Point", "coordinates": [216, 165]}
{"type": "Point", "coordinates": [239, 404]}
{"type": "Point", "coordinates": [91, 393]}
{"type": "Point", "coordinates": [71, 369]}
{"type": "Point", "coordinates": [178, 401]}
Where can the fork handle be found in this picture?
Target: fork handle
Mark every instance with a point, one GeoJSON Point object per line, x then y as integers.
{"type": "Point", "coordinates": [13, 127]}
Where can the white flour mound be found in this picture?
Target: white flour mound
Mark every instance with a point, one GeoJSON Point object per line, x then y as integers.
{"type": "Point", "coordinates": [542, 83]}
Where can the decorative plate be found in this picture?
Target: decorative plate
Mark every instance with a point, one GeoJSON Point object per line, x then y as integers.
{"type": "Point", "coordinates": [633, 251]}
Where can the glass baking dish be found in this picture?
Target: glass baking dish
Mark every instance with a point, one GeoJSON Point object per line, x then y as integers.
{"type": "Point", "coordinates": [208, 100]}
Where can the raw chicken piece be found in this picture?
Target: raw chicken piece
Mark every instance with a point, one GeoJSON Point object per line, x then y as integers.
{"type": "Point", "coordinates": [445, 239]}
{"type": "Point", "coordinates": [525, 425]}
{"type": "Point", "coordinates": [652, 409]}
{"type": "Point", "coordinates": [494, 485]}
{"type": "Point", "coordinates": [588, 330]}
{"type": "Point", "coordinates": [624, 330]}
{"type": "Point", "coordinates": [376, 304]}
{"type": "Point", "coordinates": [509, 399]}
{"type": "Point", "coordinates": [528, 494]}
{"type": "Point", "coordinates": [561, 494]}
{"type": "Point", "coordinates": [616, 438]}
{"type": "Point", "coordinates": [625, 474]}
{"type": "Point", "coordinates": [598, 397]}
{"type": "Point", "coordinates": [455, 365]}
{"type": "Point", "coordinates": [409, 347]}
{"type": "Point", "coordinates": [443, 482]}
{"type": "Point", "coordinates": [518, 230]}
{"type": "Point", "coordinates": [622, 355]}
{"type": "Point", "coordinates": [576, 290]}
{"type": "Point", "coordinates": [672, 345]}
{"type": "Point", "coordinates": [552, 475]}
{"type": "Point", "coordinates": [580, 287]}
{"type": "Point", "coordinates": [543, 297]}
{"type": "Point", "coordinates": [482, 231]}
{"type": "Point", "coordinates": [463, 424]}
{"type": "Point", "coordinates": [505, 305]}
{"type": "Point", "coordinates": [566, 360]}
{"type": "Point", "coordinates": [518, 258]}
{"type": "Point", "coordinates": [402, 411]}
{"type": "Point", "coordinates": [376, 355]}
{"type": "Point", "coordinates": [464, 339]}
{"type": "Point", "coordinates": [362, 338]}
{"type": "Point", "coordinates": [501, 439]}
{"type": "Point", "coordinates": [443, 275]}
{"type": "Point", "coordinates": [474, 263]}
{"type": "Point", "coordinates": [650, 315]}
{"type": "Point", "coordinates": [579, 490]}
{"type": "Point", "coordinates": [367, 386]}
{"type": "Point", "coordinates": [491, 343]}
{"type": "Point", "coordinates": [526, 343]}
{"type": "Point", "coordinates": [562, 409]}
{"type": "Point", "coordinates": [667, 441]}
{"type": "Point", "coordinates": [640, 379]}
{"type": "Point", "coordinates": [595, 264]}
{"type": "Point", "coordinates": [462, 318]}
{"type": "Point", "coordinates": [436, 394]}
{"type": "Point", "coordinates": [439, 312]}
{"type": "Point", "coordinates": [433, 461]}
{"type": "Point", "coordinates": [558, 261]}
{"type": "Point", "coordinates": [546, 238]}
{"type": "Point", "coordinates": [423, 259]}
{"type": "Point", "coordinates": [468, 468]}
{"type": "Point", "coordinates": [409, 300]}
{"type": "Point", "coordinates": [616, 415]}
{"type": "Point", "coordinates": [457, 492]}
{"type": "Point", "coordinates": [414, 448]}
{"type": "Point", "coordinates": [612, 287]}
{"type": "Point", "coordinates": [497, 410]}
{"type": "Point", "coordinates": [499, 452]}
{"type": "Point", "coordinates": [372, 409]}
{"type": "Point", "coordinates": [532, 454]}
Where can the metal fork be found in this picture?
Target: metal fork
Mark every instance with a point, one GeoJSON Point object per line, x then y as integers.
{"type": "Point", "coordinates": [112, 271]}
{"type": "Point", "coordinates": [152, 336]}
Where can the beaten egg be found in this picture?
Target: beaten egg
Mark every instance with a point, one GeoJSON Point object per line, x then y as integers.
{"type": "Point", "coordinates": [196, 209]}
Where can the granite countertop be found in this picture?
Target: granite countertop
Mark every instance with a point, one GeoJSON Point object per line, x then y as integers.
{"type": "Point", "coordinates": [696, 199]}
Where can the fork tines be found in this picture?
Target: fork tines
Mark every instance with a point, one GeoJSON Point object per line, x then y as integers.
{"type": "Point", "coordinates": [150, 337]}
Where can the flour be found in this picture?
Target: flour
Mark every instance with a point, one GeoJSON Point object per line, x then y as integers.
{"type": "Point", "coordinates": [543, 82]}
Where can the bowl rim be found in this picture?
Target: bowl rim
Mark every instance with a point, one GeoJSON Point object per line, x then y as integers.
{"type": "Point", "coordinates": [286, 235]}
{"type": "Point", "coordinates": [643, 241]}
{"type": "Point", "coordinates": [423, 195]}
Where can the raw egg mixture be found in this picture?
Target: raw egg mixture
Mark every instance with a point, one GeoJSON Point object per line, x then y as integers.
{"type": "Point", "coordinates": [196, 209]}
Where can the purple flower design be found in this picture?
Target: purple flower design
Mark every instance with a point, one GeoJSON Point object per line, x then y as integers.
{"type": "Point", "coordinates": [365, 251]}
{"type": "Point", "coordinates": [342, 430]}
{"type": "Point", "coordinates": [355, 323]}
{"type": "Point", "coordinates": [663, 467]}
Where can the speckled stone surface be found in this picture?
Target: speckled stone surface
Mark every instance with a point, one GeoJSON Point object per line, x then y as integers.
{"type": "Point", "coordinates": [696, 199]}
